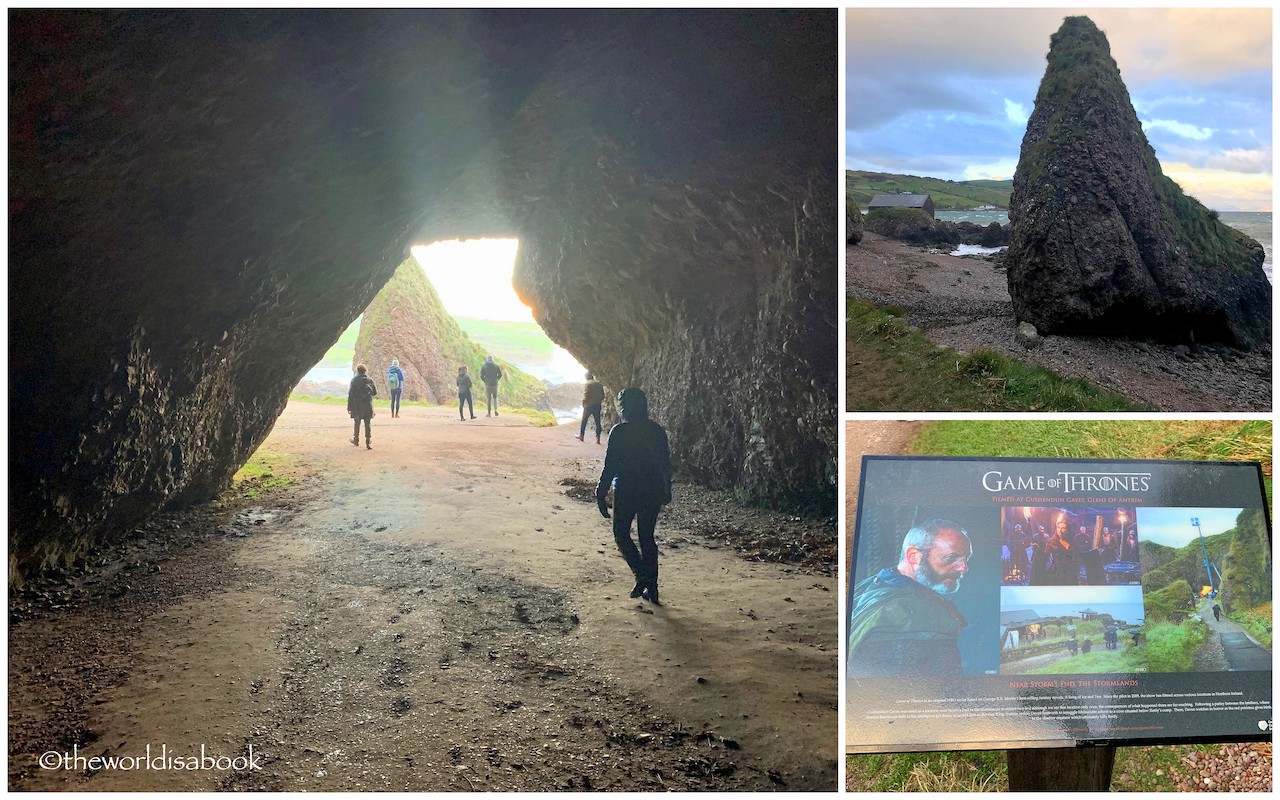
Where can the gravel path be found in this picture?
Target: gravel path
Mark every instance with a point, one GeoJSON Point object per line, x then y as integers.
{"type": "Point", "coordinates": [964, 303]}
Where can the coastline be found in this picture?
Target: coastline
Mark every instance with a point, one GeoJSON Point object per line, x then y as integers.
{"type": "Point", "coordinates": [964, 303]}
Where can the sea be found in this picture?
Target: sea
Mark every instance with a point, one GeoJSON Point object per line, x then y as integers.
{"type": "Point", "coordinates": [1256, 224]}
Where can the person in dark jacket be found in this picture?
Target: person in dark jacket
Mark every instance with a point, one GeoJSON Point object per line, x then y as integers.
{"type": "Point", "coordinates": [637, 464]}
{"type": "Point", "coordinates": [395, 382]}
{"type": "Point", "coordinates": [902, 625]}
{"type": "Point", "coordinates": [464, 393]}
{"type": "Point", "coordinates": [490, 374]}
{"type": "Point", "coordinates": [592, 398]}
{"type": "Point", "coordinates": [360, 405]}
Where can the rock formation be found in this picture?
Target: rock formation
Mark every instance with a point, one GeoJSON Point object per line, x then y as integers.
{"type": "Point", "coordinates": [201, 201]}
{"type": "Point", "coordinates": [407, 321]}
{"type": "Point", "coordinates": [1102, 241]}
{"type": "Point", "coordinates": [853, 222]}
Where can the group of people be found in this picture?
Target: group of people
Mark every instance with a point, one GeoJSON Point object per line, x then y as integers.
{"type": "Point", "coordinates": [637, 461]}
{"type": "Point", "coordinates": [490, 374]}
{"type": "Point", "coordinates": [362, 390]}
{"type": "Point", "coordinates": [1038, 558]}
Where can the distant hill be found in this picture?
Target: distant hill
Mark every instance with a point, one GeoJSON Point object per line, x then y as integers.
{"type": "Point", "coordinates": [518, 342]}
{"type": "Point", "coordinates": [860, 187]}
{"type": "Point", "coordinates": [406, 320]}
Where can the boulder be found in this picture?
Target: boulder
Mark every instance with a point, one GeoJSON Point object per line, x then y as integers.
{"type": "Point", "coordinates": [911, 225]}
{"type": "Point", "coordinates": [407, 321]}
{"type": "Point", "coordinates": [1102, 241]}
{"type": "Point", "coordinates": [853, 222]}
{"type": "Point", "coordinates": [1027, 336]}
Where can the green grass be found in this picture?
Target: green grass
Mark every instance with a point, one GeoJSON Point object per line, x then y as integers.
{"type": "Point", "coordinates": [1170, 646]}
{"type": "Point", "coordinates": [1257, 621]}
{"type": "Point", "coordinates": [1099, 659]}
{"type": "Point", "coordinates": [861, 186]}
{"type": "Point", "coordinates": [343, 352]}
{"type": "Point", "coordinates": [264, 471]}
{"type": "Point", "coordinates": [540, 419]}
{"type": "Point", "coordinates": [891, 367]}
{"type": "Point", "coordinates": [522, 342]}
{"type": "Point", "coordinates": [973, 771]}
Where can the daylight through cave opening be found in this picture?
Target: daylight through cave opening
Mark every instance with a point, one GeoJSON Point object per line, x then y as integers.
{"type": "Point", "coordinates": [451, 304]}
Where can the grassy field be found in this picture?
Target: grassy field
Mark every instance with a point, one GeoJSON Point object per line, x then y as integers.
{"type": "Point", "coordinates": [517, 342]}
{"type": "Point", "coordinates": [1136, 768]}
{"type": "Point", "coordinates": [861, 186]}
{"type": "Point", "coordinates": [343, 352]}
{"type": "Point", "coordinates": [891, 367]}
{"type": "Point", "coordinates": [1258, 622]}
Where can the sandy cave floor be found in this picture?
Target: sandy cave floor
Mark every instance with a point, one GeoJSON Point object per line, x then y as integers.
{"type": "Point", "coordinates": [439, 613]}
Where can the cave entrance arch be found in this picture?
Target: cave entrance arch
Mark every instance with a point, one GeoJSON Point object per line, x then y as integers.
{"type": "Point", "coordinates": [452, 302]}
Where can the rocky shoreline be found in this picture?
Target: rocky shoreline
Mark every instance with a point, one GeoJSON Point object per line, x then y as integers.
{"type": "Point", "coordinates": [964, 303]}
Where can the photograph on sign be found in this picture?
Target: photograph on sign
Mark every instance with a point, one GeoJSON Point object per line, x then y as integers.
{"type": "Point", "coordinates": [1052, 602]}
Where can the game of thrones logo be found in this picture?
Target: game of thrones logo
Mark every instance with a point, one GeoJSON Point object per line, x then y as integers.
{"type": "Point", "coordinates": [997, 481]}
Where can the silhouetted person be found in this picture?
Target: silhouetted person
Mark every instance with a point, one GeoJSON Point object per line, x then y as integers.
{"type": "Point", "coordinates": [1073, 645]}
{"type": "Point", "coordinates": [464, 393]}
{"type": "Point", "coordinates": [1111, 635]}
{"type": "Point", "coordinates": [592, 398]}
{"type": "Point", "coordinates": [1129, 547]}
{"type": "Point", "coordinates": [1217, 613]}
{"type": "Point", "coordinates": [490, 374]}
{"type": "Point", "coordinates": [360, 405]}
{"type": "Point", "coordinates": [395, 381]}
{"type": "Point", "coordinates": [1086, 645]}
{"type": "Point", "coordinates": [637, 464]}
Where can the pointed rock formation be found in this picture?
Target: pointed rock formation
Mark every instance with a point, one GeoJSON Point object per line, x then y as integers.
{"type": "Point", "coordinates": [407, 321]}
{"type": "Point", "coordinates": [1102, 241]}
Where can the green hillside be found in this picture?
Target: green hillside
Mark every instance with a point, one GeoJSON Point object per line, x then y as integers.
{"type": "Point", "coordinates": [410, 292]}
{"type": "Point", "coordinates": [343, 352]}
{"type": "Point", "coordinates": [1188, 564]}
{"type": "Point", "coordinates": [860, 187]}
{"type": "Point", "coordinates": [521, 342]}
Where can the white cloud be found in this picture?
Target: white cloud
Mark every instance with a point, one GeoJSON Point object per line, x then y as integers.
{"type": "Point", "coordinates": [1223, 189]}
{"type": "Point", "coordinates": [1183, 129]}
{"type": "Point", "coordinates": [1016, 112]}
{"type": "Point", "coordinates": [995, 171]}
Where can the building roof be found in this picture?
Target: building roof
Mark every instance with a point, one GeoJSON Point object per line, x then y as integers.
{"type": "Point", "coordinates": [895, 200]}
{"type": "Point", "coordinates": [1018, 617]}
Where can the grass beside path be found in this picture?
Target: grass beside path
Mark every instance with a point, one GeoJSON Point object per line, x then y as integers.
{"type": "Point", "coordinates": [893, 368]}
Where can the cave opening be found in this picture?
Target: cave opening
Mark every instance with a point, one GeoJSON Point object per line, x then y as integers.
{"type": "Point", "coordinates": [471, 279]}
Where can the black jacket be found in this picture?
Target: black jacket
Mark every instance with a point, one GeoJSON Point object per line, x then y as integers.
{"type": "Point", "coordinates": [360, 397]}
{"type": "Point", "coordinates": [639, 460]}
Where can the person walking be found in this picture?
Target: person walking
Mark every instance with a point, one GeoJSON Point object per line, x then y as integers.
{"type": "Point", "coordinates": [395, 381]}
{"type": "Point", "coordinates": [464, 393]}
{"type": "Point", "coordinates": [360, 405]}
{"type": "Point", "coordinates": [592, 399]}
{"type": "Point", "coordinates": [490, 374]}
{"type": "Point", "coordinates": [637, 464]}
{"type": "Point", "coordinates": [1217, 613]}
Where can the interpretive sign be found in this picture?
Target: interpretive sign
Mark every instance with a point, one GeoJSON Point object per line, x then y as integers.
{"type": "Point", "coordinates": [1011, 603]}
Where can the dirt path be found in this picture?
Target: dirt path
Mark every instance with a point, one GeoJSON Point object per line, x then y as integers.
{"type": "Point", "coordinates": [434, 614]}
{"type": "Point", "coordinates": [964, 303]}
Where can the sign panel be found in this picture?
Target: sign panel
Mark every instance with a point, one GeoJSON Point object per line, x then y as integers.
{"type": "Point", "coordinates": [1010, 603]}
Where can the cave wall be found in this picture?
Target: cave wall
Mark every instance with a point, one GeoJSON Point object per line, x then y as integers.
{"type": "Point", "coordinates": [201, 201]}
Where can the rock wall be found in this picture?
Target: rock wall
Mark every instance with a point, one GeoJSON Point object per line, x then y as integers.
{"type": "Point", "coordinates": [853, 222]}
{"type": "Point", "coordinates": [201, 201]}
{"type": "Point", "coordinates": [1102, 241]}
{"type": "Point", "coordinates": [407, 321]}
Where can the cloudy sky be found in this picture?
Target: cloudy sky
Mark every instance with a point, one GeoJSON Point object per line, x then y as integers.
{"type": "Point", "coordinates": [1172, 526]}
{"type": "Point", "coordinates": [947, 92]}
